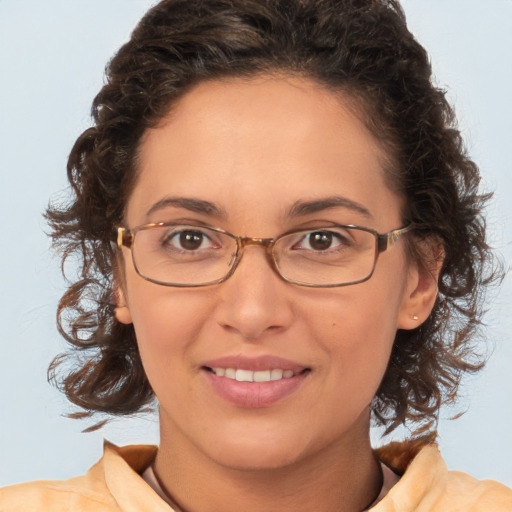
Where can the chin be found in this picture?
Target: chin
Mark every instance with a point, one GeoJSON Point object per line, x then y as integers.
{"type": "Point", "coordinates": [257, 454]}
{"type": "Point", "coordinates": [249, 463]}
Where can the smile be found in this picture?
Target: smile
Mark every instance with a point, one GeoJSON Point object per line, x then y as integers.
{"type": "Point", "coordinates": [241, 375]}
{"type": "Point", "coordinates": [254, 383]}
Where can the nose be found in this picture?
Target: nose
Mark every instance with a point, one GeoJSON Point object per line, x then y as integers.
{"type": "Point", "coordinates": [254, 300]}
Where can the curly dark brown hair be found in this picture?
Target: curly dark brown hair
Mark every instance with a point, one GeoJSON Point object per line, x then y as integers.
{"type": "Point", "coordinates": [360, 47]}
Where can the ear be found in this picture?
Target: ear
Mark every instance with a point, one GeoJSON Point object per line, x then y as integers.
{"type": "Point", "coordinates": [422, 285]}
{"type": "Point", "coordinates": [121, 311]}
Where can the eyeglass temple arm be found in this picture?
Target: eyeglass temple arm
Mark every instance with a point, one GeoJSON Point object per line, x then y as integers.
{"type": "Point", "coordinates": [385, 241]}
{"type": "Point", "coordinates": [123, 237]}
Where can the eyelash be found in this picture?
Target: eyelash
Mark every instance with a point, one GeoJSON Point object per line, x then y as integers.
{"type": "Point", "coordinates": [342, 241]}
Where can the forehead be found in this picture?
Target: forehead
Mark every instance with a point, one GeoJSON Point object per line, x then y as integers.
{"type": "Point", "coordinates": [268, 141]}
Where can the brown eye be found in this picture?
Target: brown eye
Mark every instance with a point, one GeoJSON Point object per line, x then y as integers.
{"type": "Point", "coordinates": [188, 240]}
{"type": "Point", "coordinates": [191, 240]}
{"type": "Point", "coordinates": [320, 240]}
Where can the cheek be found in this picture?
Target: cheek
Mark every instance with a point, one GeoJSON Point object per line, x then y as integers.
{"type": "Point", "coordinates": [364, 316]}
{"type": "Point", "coordinates": [167, 322]}
{"type": "Point", "coordinates": [357, 330]}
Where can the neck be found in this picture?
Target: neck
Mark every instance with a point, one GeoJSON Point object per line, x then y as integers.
{"type": "Point", "coordinates": [344, 476]}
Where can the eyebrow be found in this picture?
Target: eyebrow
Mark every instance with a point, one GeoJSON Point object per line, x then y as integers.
{"type": "Point", "coordinates": [188, 203]}
{"type": "Point", "coordinates": [300, 208]}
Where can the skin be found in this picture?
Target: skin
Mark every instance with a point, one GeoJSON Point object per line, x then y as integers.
{"type": "Point", "coordinates": [254, 148]}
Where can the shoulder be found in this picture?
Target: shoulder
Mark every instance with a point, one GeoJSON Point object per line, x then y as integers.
{"type": "Point", "coordinates": [56, 496]}
{"type": "Point", "coordinates": [427, 484]}
{"type": "Point", "coordinates": [116, 473]}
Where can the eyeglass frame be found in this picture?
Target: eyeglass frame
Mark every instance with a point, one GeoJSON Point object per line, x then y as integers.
{"type": "Point", "coordinates": [125, 237]}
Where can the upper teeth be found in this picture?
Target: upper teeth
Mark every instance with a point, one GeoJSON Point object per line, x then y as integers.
{"type": "Point", "coordinates": [250, 376]}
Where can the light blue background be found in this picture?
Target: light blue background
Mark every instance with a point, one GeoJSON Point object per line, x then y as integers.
{"type": "Point", "coordinates": [52, 55]}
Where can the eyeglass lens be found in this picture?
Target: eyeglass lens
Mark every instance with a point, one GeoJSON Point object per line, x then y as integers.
{"type": "Point", "coordinates": [196, 255]}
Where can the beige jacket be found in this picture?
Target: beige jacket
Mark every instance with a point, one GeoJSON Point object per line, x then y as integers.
{"type": "Point", "coordinates": [114, 485]}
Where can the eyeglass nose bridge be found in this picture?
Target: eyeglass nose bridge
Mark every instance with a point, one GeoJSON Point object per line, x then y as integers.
{"type": "Point", "coordinates": [245, 241]}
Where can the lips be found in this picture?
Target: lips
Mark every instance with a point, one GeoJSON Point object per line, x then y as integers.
{"type": "Point", "coordinates": [254, 382]}
{"type": "Point", "coordinates": [253, 376]}
{"type": "Point", "coordinates": [255, 364]}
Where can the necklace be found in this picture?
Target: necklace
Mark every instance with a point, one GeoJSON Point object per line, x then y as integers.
{"type": "Point", "coordinates": [380, 488]}
{"type": "Point", "coordinates": [152, 480]}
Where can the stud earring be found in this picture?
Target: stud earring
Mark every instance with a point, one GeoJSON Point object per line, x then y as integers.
{"type": "Point", "coordinates": [122, 314]}
{"type": "Point", "coordinates": [414, 317]}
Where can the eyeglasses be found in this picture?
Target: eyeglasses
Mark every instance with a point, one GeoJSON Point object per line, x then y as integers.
{"type": "Point", "coordinates": [188, 255]}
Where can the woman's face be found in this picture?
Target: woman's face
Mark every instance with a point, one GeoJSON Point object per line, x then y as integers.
{"type": "Point", "coordinates": [254, 150]}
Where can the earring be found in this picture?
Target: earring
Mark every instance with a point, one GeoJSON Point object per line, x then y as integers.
{"type": "Point", "coordinates": [414, 317]}
{"type": "Point", "coordinates": [122, 314]}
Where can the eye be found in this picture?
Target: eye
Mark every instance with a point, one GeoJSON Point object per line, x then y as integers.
{"type": "Point", "coordinates": [188, 240]}
{"type": "Point", "coordinates": [322, 241]}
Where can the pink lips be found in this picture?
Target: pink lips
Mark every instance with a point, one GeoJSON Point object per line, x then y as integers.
{"type": "Point", "coordinates": [254, 363]}
{"type": "Point", "coordinates": [254, 394]}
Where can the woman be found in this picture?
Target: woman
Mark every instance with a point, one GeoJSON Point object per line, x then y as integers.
{"type": "Point", "coordinates": [280, 236]}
